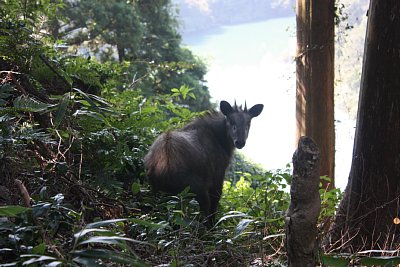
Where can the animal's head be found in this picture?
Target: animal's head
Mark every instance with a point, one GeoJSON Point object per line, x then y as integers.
{"type": "Point", "coordinates": [238, 121]}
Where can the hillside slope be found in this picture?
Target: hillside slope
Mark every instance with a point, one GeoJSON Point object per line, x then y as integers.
{"type": "Point", "coordinates": [199, 15]}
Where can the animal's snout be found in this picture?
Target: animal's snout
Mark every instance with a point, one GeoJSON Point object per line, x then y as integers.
{"type": "Point", "coordinates": [240, 144]}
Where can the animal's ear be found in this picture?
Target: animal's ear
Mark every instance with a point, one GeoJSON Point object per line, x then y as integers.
{"type": "Point", "coordinates": [225, 108]}
{"type": "Point", "coordinates": [256, 110]}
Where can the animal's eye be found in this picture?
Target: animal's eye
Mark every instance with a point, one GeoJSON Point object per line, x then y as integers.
{"type": "Point", "coordinates": [234, 127]}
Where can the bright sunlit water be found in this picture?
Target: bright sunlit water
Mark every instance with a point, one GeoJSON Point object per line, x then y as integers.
{"type": "Point", "coordinates": [253, 62]}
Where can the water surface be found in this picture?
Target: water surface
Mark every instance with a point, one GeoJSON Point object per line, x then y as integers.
{"type": "Point", "coordinates": [253, 62]}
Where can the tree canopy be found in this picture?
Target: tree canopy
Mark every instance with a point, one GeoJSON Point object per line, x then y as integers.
{"type": "Point", "coordinates": [76, 122]}
{"type": "Point", "coordinates": [141, 33]}
{"type": "Point", "coordinates": [85, 87]}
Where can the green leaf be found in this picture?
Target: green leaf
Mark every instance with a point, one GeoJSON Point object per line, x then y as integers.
{"type": "Point", "coordinates": [232, 214]}
{"type": "Point", "coordinates": [36, 258]}
{"type": "Point", "coordinates": [85, 96]}
{"type": "Point", "coordinates": [62, 108]}
{"type": "Point", "coordinates": [180, 221]}
{"type": "Point", "coordinates": [90, 230]}
{"type": "Point", "coordinates": [104, 223]}
{"type": "Point", "coordinates": [10, 264]}
{"type": "Point", "coordinates": [380, 261]}
{"type": "Point", "coordinates": [6, 89]}
{"type": "Point", "coordinates": [7, 116]}
{"type": "Point", "coordinates": [149, 224]}
{"type": "Point", "coordinates": [12, 211]}
{"type": "Point", "coordinates": [88, 262]}
{"type": "Point", "coordinates": [273, 236]}
{"type": "Point", "coordinates": [54, 263]}
{"type": "Point", "coordinates": [383, 251]}
{"type": "Point", "coordinates": [39, 249]}
{"type": "Point", "coordinates": [272, 220]}
{"type": "Point", "coordinates": [92, 114]}
{"type": "Point", "coordinates": [135, 188]}
{"type": "Point", "coordinates": [27, 104]}
{"type": "Point", "coordinates": [5, 92]}
{"type": "Point", "coordinates": [192, 95]}
{"type": "Point", "coordinates": [111, 240]}
{"type": "Point", "coordinates": [242, 225]}
{"type": "Point", "coordinates": [100, 100]}
{"type": "Point", "coordinates": [334, 261]}
{"type": "Point", "coordinates": [108, 255]}
{"type": "Point", "coordinates": [6, 250]}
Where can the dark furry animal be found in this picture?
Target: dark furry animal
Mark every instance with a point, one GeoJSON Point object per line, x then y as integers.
{"type": "Point", "coordinates": [198, 154]}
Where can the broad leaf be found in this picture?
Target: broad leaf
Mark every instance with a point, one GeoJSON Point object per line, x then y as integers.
{"type": "Point", "coordinates": [242, 225]}
{"type": "Point", "coordinates": [108, 255]}
{"type": "Point", "coordinates": [12, 211]}
{"type": "Point", "coordinates": [232, 214]}
{"type": "Point", "coordinates": [111, 240]}
{"type": "Point", "coordinates": [36, 259]}
{"type": "Point", "coordinates": [104, 223]}
{"type": "Point", "coordinates": [334, 261]}
{"type": "Point", "coordinates": [380, 261]}
{"type": "Point", "coordinates": [27, 104]}
{"type": "Point", "coordinates": [90, 230]}
{"type": "Point", "coordinates": [62, 108]}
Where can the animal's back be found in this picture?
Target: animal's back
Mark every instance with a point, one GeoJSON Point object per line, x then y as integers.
{"type": "Point", "coordinates": [172, 160]}
{"type": "Point", "coordinates": [192, 156]}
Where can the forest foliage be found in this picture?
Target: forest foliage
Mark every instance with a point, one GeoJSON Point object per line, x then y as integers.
{"type": "Point", "coordinates": [79, 106]}
{"type": "Point", "coordinates": [83, 94]}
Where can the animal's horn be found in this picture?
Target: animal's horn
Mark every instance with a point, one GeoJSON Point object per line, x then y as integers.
{"type": "Point", "coordinates": [245, 106]}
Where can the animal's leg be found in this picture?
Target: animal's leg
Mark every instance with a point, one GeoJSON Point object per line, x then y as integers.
{"type": "Point", "coordinates": [204, 201]}
{"type": "Point", "coordinates": [215, 195]}
{"type": "Point", "coordinates": [203, 198]}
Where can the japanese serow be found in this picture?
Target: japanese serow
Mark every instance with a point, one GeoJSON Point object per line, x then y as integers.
{"type": "Point", "coordinates": [198, 154]}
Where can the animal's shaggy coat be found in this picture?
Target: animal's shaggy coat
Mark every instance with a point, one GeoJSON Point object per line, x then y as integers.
{"type": "Point", "coordinates": [198, 154]}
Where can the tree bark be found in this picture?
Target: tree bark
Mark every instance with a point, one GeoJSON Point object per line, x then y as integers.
{"type": "Point", "coordinates": [367, 213]}
{"type": "Point", "coordinates": [315, 79]}
{"type": "Point", "coordinates": [305, 206]}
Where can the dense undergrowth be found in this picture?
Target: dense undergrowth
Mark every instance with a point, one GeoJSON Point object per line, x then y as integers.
{"type": "Point", "coordinates": [155, 230]}
{"type": "Point", "coordinates": [73, 134]}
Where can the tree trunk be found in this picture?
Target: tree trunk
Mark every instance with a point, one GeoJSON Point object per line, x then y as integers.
{"type": "Point", "coordinates": [366, 216]}
{"type": "Point", "coordinates": [315, 79]}
{"type": "Point", "coordinates": [121, 53]}
{"type": "Point", "coordinates": [305, 206]}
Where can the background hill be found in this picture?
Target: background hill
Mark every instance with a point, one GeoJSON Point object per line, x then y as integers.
{"type": "Point", "coordinates": [198, 15]}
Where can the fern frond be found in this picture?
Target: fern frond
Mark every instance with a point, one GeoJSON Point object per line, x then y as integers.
{"type": "Point", "coordinates": [28, 104]}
